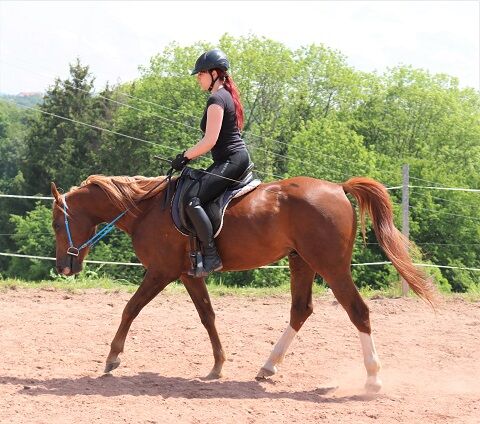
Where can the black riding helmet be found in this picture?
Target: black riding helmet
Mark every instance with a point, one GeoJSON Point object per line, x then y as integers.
{"type": "Point", "coordinates": [213, 59]}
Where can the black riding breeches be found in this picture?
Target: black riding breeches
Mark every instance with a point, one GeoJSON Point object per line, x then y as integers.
{"type": "Point", "coordinates": [219, 177]}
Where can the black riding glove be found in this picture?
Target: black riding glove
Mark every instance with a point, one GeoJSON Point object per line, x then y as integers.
{"type": "Point", "coordinates": [179, 162]}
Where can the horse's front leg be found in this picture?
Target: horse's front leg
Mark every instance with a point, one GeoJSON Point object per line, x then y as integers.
{"type": "Point", "coordinates": [152, 284]}
{"type": "Point", "coordinates": [198, 292]}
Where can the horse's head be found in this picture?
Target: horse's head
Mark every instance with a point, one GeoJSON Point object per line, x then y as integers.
{"type": "Point", "coordinates": [73, 226]}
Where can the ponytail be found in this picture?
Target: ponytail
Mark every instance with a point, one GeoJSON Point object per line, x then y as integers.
{"type": "Point", "coordinates": [235, 93]}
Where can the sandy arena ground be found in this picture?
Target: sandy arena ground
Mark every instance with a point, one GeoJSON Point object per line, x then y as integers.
{"type": "Point", "coordinates": [54, 344]}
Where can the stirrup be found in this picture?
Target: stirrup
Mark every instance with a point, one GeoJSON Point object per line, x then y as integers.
{"type": "Point", "coordinates": [200, 272]}
{"type": "Point", "coordinates": [196, 261]}
{"type": "Point", "coordinates": [197, 272]}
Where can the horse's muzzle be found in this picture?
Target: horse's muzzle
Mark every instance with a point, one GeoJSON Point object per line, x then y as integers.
{"type": "Point", "coordinates": [64, 271]}
{"type": "Point", "coordinates": [69, 265]}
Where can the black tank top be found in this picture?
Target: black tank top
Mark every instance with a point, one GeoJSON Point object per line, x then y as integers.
{"type": "Point", "coordinates": [229, 139]}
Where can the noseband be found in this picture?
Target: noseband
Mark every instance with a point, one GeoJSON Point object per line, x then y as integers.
{"type": "Point", "coordinates": [75, 251]}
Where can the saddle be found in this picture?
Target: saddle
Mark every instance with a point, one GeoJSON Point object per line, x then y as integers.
{"type": "Point", "coordinates": [216, 208]}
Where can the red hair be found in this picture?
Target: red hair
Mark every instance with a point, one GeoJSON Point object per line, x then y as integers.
{"type": "Point", "coordinates": [233, 90]}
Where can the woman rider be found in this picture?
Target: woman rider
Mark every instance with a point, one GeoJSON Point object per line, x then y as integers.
{"type": "Point", "coordinates": [221, 124]}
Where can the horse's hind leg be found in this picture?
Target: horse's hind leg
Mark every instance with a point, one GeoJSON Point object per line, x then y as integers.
{"type": "Point", "coordinates": [198, 292]}
{"type": "Point", "coordinates": [301, 276]}
{"type": "Point", "coordinates": [347, 295]}
{"type": "Point", "coordinates": [152, 284]}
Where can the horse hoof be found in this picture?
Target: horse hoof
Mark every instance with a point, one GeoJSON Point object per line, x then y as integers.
{"type": "Point", "coordinates": [214, 375]}
{"type": "Point", "coordinates": [110, 366]}
{"type": "Point", "coordinates": [264, 373]}
{"type": "Point", "coordinates": [373, 385]}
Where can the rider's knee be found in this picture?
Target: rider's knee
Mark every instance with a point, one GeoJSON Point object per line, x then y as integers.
{"type": "Point", "coordinates": [193, 202]}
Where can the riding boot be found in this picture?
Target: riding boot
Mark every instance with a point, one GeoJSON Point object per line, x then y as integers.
{"type": "Point", "coordinates": [203, 227]}
{"type": "Point", "coordinates": [211, 258]}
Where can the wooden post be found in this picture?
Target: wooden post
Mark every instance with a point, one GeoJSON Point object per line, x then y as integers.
{"type": "Point", "coordinates": [405, 220]}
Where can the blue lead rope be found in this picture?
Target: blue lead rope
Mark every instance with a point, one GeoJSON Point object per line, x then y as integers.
{"type": "Point", "coordinates": [72, 250]}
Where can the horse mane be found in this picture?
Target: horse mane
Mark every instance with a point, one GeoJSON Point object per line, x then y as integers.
{"type": "Point", "coordinates": [124, 191]}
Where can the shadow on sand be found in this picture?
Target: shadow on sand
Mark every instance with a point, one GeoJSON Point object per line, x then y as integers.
{"type": "Point", "coordinates": [152, 384]}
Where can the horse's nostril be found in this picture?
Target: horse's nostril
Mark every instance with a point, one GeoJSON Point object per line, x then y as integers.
{"type": "Point", "coordinates": [59, 269]}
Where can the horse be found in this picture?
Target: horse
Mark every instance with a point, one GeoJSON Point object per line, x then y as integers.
{"type": "Point", "coordinates": [310, 221]}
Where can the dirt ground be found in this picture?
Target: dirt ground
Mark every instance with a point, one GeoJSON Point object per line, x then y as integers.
{"type": "Point", "coordinates": [54, 343]}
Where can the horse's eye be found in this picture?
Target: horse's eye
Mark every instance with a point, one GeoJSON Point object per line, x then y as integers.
{"type": "Point", "coordinates": [56, 226]}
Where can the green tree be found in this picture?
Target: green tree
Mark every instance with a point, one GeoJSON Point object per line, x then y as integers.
{"type": "Point", "coordinates": [12, 132]}
{"type": "Point", "coordinates": [409, 113]}
{"type": "Point", "coordinates": [329, 149]}
{"type": "Point", "coordinates": [60, 150]}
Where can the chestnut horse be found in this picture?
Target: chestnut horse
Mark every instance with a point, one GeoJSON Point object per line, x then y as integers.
{"type": "Point", "coordinates": [309, 220]}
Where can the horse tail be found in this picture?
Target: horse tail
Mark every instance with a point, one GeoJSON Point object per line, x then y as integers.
{"type": "Point", "coordinates": [372, 197]}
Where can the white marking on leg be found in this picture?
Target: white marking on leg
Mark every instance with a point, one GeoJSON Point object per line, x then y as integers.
{"type": "Point", "coordinates": [371, 361]}
{"type": "Point", "coordinates": [278, 352]}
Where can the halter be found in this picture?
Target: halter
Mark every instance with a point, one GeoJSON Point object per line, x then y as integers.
{"type": "Point", "coordinates": [74, 251]}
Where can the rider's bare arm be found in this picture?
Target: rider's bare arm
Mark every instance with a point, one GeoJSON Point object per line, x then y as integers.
{"type": "Point", "coordinates": [214, 123]}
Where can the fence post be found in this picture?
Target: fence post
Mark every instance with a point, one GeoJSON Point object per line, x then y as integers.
{"type": "Point", "coordinates": [405, 221]}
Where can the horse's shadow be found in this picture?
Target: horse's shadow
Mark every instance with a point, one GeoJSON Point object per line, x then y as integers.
{"type": "Point", "coordinates": [152, 384]}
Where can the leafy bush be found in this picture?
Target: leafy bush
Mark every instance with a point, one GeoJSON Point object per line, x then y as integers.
{"type": "Point", "coordinates": [33, 235]}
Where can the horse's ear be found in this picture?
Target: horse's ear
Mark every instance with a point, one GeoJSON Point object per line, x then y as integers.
{"type": "Point", "coordinates": [55, 192]}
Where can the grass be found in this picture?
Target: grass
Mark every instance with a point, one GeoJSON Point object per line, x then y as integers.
{"type": "Point", "coordinates": [77, 285]}
{"type": "Point", "coordinates": [473, 295]}
{"type": "Point", "coordinates": [70, 285]}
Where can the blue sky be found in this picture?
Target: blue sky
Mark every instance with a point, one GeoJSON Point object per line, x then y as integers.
{"type": "Point", "coordinates": [38, 39]}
